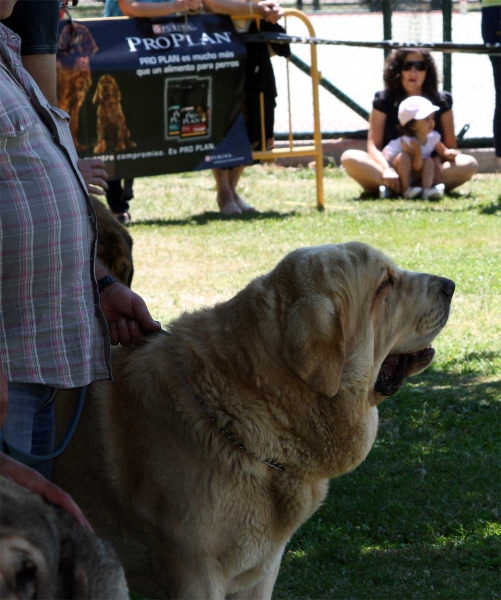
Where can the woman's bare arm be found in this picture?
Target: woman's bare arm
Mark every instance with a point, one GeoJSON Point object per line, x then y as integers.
{"type": "Point", "coordinates": [448, 135]}
{"type": "Point", "coordinates": [375, 138]}
{"type": "Point", "coordinates": [131, 8]}
{"type": "Point", "coordinates": [269, 10]}
{"type": "Point", "coordinates": [446, 153]}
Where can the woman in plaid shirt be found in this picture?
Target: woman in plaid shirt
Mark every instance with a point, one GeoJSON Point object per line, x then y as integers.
{"type": "Point", "coordinates": [55, 326]}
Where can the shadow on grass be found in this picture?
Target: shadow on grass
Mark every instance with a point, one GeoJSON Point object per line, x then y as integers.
{"type": "Point", "coordinates": [211, 216]}
{"type": "Point", "coordinates": [451, 571]}
{"type": "Point", "coordinates": [468, 369]}
{"type": "Point", "coordinates": [418, 518]}
{"type": "Point", "coordinates": [365, 197]}
{"type": "Point", "coordinates": [434, 206]}
{"type": "Point", "coordinates": [452, 394]}
{"type": "Point", "coordinates": [494, 208]}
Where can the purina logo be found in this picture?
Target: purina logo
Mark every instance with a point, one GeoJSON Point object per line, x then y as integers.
{"type": "Point", "coordinates": [173, 27]}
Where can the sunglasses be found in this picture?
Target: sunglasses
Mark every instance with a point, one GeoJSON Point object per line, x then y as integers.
{"type": "Point", "coordinates": [419, 65]}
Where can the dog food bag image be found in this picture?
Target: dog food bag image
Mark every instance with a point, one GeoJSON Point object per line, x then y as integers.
{"type": "Point", "coordinates": [195, 108]}
{"type": "Point", "coordinates": [173, 108]}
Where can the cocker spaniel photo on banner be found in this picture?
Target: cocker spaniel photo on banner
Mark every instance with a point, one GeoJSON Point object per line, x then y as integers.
{"type": "Point", "coordinates": [112, 130]}
{"type": "Point", "coordinates": [75, 46]}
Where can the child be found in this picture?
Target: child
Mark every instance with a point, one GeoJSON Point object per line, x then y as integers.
{"type": "Point", "coordinates": [411, 153]}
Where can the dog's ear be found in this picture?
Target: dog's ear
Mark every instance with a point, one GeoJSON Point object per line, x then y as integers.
{"type": "Point", "coordinates": [314, 344]}
{"type": "Point", "coordinates": [73, 580]}
{"type": "Point", "coordinates": [66, 38]}
{"type": "Point", "coordinates": [81, 583]}
{"type": "Point", "coordinates": [118, 93]}
{"type": "Point", "coordinates": [89, 46]}
{"type": "Point", "coordinates": [97, 93]}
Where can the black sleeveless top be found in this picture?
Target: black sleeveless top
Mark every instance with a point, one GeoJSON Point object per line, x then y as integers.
{"type": "Point", "coordinates": [390, 108]}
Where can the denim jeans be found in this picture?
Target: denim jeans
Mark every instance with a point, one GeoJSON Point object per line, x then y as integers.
{"type": "Point", "coordinates": [30, 424]}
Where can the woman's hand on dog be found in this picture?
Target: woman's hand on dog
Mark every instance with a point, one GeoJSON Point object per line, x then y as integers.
{"type": "Point", "coordinates": [30, 479]}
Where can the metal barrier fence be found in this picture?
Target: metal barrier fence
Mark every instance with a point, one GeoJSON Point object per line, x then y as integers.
{"type": "Point", "coordinates": [351, 76]}
{"type": "Point", "coordinates": [379, 5]}
{"type": "Point", "coordinates": [292, 149]}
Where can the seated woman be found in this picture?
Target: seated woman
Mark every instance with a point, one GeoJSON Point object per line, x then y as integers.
{"type": "Point", "coordinates": [407, 73]}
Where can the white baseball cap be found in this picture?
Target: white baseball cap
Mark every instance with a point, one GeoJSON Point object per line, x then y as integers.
{"type": "Point", "coordinates": [415, 107]}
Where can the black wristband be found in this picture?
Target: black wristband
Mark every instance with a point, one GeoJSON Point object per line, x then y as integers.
{"type": "Point", "coordinates": [104, 282]}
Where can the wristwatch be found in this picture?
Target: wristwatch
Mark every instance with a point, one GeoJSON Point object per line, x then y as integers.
{"type": "Point", "coordinates": [104, 282]}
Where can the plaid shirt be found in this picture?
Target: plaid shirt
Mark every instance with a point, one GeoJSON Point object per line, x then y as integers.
{"type": "Point", "coordinates": [51, 328]}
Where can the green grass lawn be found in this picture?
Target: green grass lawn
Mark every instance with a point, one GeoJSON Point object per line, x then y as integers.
{"type": "Point", "coordinates": [420, 517]}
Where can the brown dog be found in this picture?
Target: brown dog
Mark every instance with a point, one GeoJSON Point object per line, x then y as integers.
{"type": "Point", "coordinates": [114, 244]}
{"type": "Point", "coordinates": [112, 129]}
{"type": "Point", "coordinates": [75, 46]}
{"type": "Point", "coordinates": [45, 553]}
{"type": "Point", "coordinates": [216, 441]}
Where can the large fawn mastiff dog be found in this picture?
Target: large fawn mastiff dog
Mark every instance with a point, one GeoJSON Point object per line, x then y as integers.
{"type": "Point", "coordinates": [216, 440]}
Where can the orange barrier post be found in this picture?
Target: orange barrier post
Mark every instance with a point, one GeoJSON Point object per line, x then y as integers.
{"type": "Point", "coordinates": [315, 150]}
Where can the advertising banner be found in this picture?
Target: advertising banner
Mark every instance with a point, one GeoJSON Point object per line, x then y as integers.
{"type": "Point", "coordinates": [154, 96]}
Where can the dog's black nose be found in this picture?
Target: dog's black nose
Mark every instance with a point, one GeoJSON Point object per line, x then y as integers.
{"type": "Point", "coordinates": [447, 287]}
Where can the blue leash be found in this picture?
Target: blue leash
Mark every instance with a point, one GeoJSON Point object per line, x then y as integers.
{"type": "Point", "coordinates": [36, 459]}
